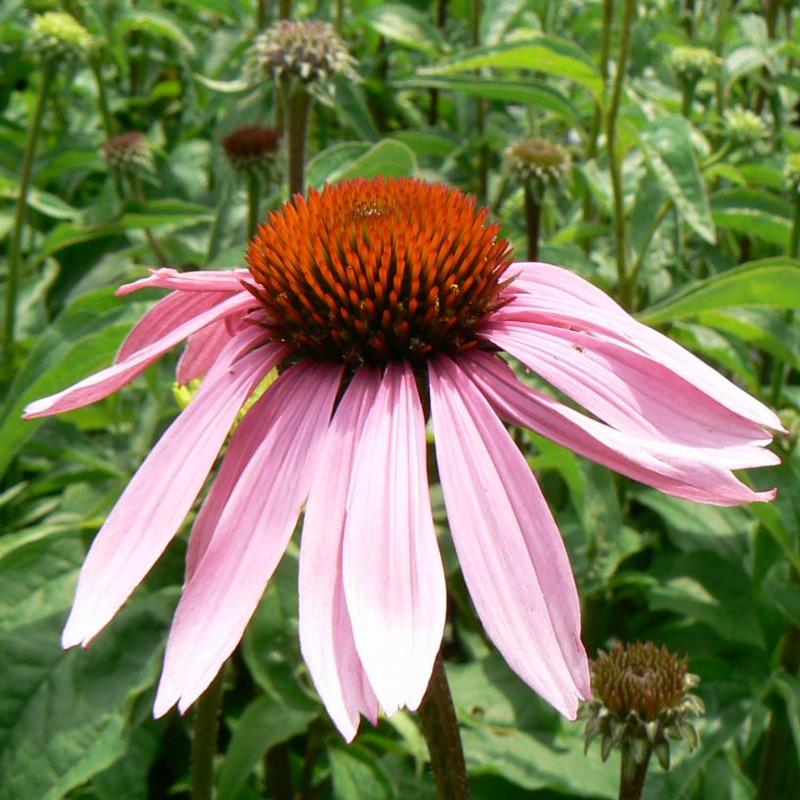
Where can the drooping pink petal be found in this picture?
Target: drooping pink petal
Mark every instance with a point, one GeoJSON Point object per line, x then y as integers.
{"type": "Point", "coordinates": [326, 635]}
{"type": "Point", "coordinates": [154, 504]}
{"type": "Point", "coordinates": [252, 533]}
{"type": "Point", "coordinates": [689, 473]}
{"type": "Point", "coordinates": [630, 391]}
{"type": "Point", "coordinates": [202, 349]}
{"type": "Point", "coordinates": [511, 553]}
{"type": "Point", "coordinates": [554, 296]}
{"type": "Point", "coordinates": [219, 280]}
{"type": "Point", "coordinates": [166, 315]}
{"type": "Point", "coordinates": [107, 381]}
{"type": "Point", "coordinates": [393, 576]}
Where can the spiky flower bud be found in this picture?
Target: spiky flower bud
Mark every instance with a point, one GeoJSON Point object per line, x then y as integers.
{"type": "Point", "coordinates": [641, 699]}
{"type": "Point", "coordinates": [693, 62]}
{"type": "Point", "coordinates": [129, 152]}
{"type": "Point", "coordinates": [251, 150]}
{"type": "Point", "coordinates": [308, 51]}
{"type": "Point", "coordinates": [539, 159]}
{"type": "Point", "coordinates": [742, 125]}
{"type": "Point", "coordinates": [57, 35]}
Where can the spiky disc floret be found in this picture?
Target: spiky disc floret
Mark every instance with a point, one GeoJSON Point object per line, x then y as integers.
{"type": "Point", "coordinates": [539, 158]}
{"type": "Point", "coordinates": [641, 699]}
{"type": "Point", "coordinates": [129, 152]}
{"type": "Point", "coordinates": [370, 271]}
{"type": "Point", "coordinates": [57, 34]}
{"type": "Point", "coordinates": [252, 149]}
{"type": "Point", "coordinates": [310, 51]}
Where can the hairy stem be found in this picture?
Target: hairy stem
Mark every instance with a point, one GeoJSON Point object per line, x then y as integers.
{"type": "Point", "coordinates": [440, 728]}
{"type": "Point", "coordinates": [152, 239]}
{"type": "Point", "coordinates": [533, 215]}
{"type": "Point", "coordinates": [297, 108]}
{"type": "Point", "coordinates": [15, 247]}
{"type": "Point", "coordinates": [625, 287]}
{"type": "Point", "coordinates": [632, 775]}
{"type": "Point", "coordinates": [253, 193]}
{"type": "Point", "coordinates": [204, 741]}
{"type": "Point", "coordinates": [102, 98]}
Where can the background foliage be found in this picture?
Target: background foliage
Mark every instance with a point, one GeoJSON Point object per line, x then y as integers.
{"type": "Point", "coordinates": [710, 213]}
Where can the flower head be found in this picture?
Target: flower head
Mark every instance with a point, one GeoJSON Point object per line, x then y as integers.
{"type": "Point", "coordinates": [252, 149]}
{"type": "Point", "coordinates": [642, 696]}
{"type": "Point", "coordinates": [693, 62]}
{"type": "Point", "coordinates": [539, 159]}
{"type": "Point", "coordinates": [382, 300]}
{"type": "Point", "coordinates": [309, 51]}
{"type": "Point", "coordinates": [129, 152]}
{"type": "Point", "coordinates": [742, 125]}
{"type": "Point", "coordinates": [57, 34]}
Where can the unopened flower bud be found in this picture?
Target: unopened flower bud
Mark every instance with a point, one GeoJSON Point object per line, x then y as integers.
{"type": "Point", "coordinates": [251, 150]}
{"type": "Point", "coordinates": [742, 125]}
{"type": "Point", "coordinates": [129, 152]}
{"type": "Point", "coordinates": [641, 699]}
{"type": "Point", "coordinates": [693, 62]}
{"type": "Point", "coordinates": [57, 35]}
{"type": "Point", "coordinates": [539, 159]}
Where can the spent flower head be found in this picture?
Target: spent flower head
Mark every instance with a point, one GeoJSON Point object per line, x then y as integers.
{"type": "Point", "coordinates": [693, 62]}
{"type": "Point", "coordinates": [129, 153]}
{"type": "Point", "coordinates": [308, 51]}
{"type": "Point", "coordinates": [251, 150]}
{"type": "Point", "coordinates": [641, 698]}
{"type": "Point", "coordinates": [742, 125]}
{"type": "Point", "coordinates": [58, 35]}
{"type": "Point", "coordinates": [540, 159]}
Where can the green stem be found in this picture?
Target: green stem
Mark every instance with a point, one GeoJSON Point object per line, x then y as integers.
{"type": "Point", "coordinates": [253, 194]}
{"type": "Point", "coordinates": [632, 775]}
{"type": "Point", "coordinates": [794, 239]}
{"type": "Point", "coordinates": [285, 9]}
{"type": "Point", "coordinates": [687, 90]}
{"type": "Point", "coordinates": [15, 247]}
{"type": "Point", "coordinates": [220, 220]}
{"type": "Point", "coordinates": [480, 110]}
{"type": "Point", "coordinates": [204, 741]}
{"type": "Point", "coordinates": [440, 728]}
{"type": "Point", "coordinates": [533, 216]}
{"type": "Point", "coordinates": [339, 15]}
{"type": "Point", "coordinates": [152, 239]}
{"type": "Point", "coordinates": [278, 772]}
{"type": "Point", "coordinates": [102, 99]}
{"type": "Point", "coordinates": [297, 108]}
{"type": "Point", "coordinates": [625, 287]}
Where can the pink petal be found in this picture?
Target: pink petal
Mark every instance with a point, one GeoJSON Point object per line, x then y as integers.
{"type": "Point", "coordinates": [107, 381]}
{"type": "Point", "coordinates": [554, 296]}
{"type": "Point", "coordinates": [511, 553]}
{"type": "Point", "coordinates": [326, 635]}
{"type": "Point", "coordinates": [630, 391]}
{"type": "Point", "coordinates": [198, 281]}
{"type": "Point", "coordinates": [166, 315]}
{"type": "Point", "coordinates": [393, 576]}
{"type": "Point", "coordinates": [154, 504]}
{"type": "Point", "coordinates": [684, 472]}
{"type": "Point", "coordinates": [253, 530]}
{"type": "Point", "coordinates": [202, 350]}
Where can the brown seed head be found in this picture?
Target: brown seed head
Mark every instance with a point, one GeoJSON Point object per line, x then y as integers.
{"type": "Point", "coordinates": [252, 148]}
{"type": "Point", "coordinates": [129, 151]}
{"type": "Point", "coordinates": [370, 271]}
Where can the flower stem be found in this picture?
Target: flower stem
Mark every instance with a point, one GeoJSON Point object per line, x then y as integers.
{"type": "Point", "coordinates": [533, 215]}
{"type": "Point", "coordinates": [625, 286]}
{"type": "Point", "coordinates": [102, 99]}
{"type": "Point", "coordinates": [155, 244]}
{"type": "Point", "coordinates": [297, 107]}
{"type": "Point", "coordinates": [632, 774]}
{"type": "Point", "coordinates": [204, 741]}
{"type": "Point", "coordinates": [440, 728]}
{"type": "Point", "coordinates": [252, 205]}
{"type": "Point", "coordinates": [12, 275]}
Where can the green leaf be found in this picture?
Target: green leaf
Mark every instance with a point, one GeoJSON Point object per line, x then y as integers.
{"type": "Point", "coordinates": [667, 147]}
{"type": "Point", "coordinates": [358, 776]}
{"type": "Point", "coordinates": [405, 25]}
{"type": "Point", "coordinates": [358, 160]}
{"type": "Point", "coordinates": [155, 23]}
{"type": "Point", "coordinates": [547, 54]}
{"type": "Point", "coordinates": [327, 166]}
{"type": "Point", "coordinates": [771, 282]}
{"type": "Point", "coordinates": [265, 722]}
{"type": "Point", "coordinates": [530, 93]}
{"type": "Point", "coordinates": [83, 339]}
{"type": "Point", "coordinates": [224, 87]}
{"type": "Point", "coordinates": [753, 212]}
{"type": "Point", "coordinates": [427, 143]}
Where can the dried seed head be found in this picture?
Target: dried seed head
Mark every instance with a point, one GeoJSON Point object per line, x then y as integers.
{"type": "Point", "coordinates": [309, 51]}
{"type": "Point", "coordinates": [640, 699]}
{"type": "Point", "coordinates": [129, 152]}
{"type": "Point", "coordinates": [57, 35]}
{"type": "Point", "coordinates": [693, 62]}
{"type": "Point", "coordinates": [742, 125]}
{"type": "Point", "coordinates": [539, 159]}
{"type": "Point", "coordinates": [370, 271]}
{"type": "Point", "coordinates": [252, 149]}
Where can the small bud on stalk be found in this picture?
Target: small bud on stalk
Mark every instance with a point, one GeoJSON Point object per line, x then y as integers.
{"type": "Point", "coordinates": [57, 35]}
